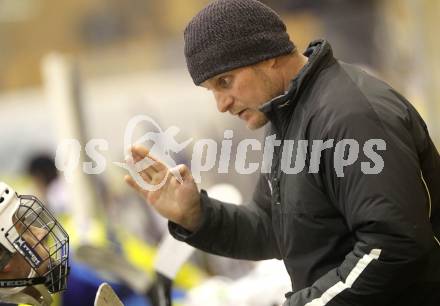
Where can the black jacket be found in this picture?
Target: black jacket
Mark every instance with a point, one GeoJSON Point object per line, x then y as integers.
{"type": "Point", "coordinates": [347, 238]}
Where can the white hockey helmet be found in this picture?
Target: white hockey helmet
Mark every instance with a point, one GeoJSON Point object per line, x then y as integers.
{"type": "Point", "coordinates": [29, 230]}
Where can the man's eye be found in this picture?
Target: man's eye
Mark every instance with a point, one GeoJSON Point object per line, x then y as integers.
{"type": "Point", "coordinates": [223, 82]}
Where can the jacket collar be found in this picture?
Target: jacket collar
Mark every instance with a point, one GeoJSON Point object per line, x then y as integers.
{"type": "Point", "coordinates": [320, 56]}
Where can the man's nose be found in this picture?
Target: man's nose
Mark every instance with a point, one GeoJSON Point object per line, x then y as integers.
{"type": "Point", "coordinates": [224, 102]}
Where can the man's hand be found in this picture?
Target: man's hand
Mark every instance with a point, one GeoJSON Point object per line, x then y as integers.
{"type": "Point", "coordinates": [178, 202]}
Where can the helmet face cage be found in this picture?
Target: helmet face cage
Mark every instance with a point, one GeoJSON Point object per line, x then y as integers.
{"type": "Point", "coordinates": [41, 241]}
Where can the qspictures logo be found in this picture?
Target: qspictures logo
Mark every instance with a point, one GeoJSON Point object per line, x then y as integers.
{"type": "Point", "coordinates": [207, 154]}
{"type": "Point", "coordinates": [164, 144]}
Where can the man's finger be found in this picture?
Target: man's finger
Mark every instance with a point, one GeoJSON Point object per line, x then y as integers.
{"type": "Point", "coordinates": [184, 171]}
{"type": "Point", "coordinates": [137, 156]}
{"type": "Point", "coordinates": [141, 149]}
{"type": "Point", "coordinates": [158, 177]}
{"type": "Point", "coordinates": [141, 152]}
{"type": "Point", "coordinates": [139, 159]}
{"type": "Point", "coordinates": [130, 181]}
{"type": "Point", "coordinates": [147, 176]}
{"type": "Point", "coordinates": [146, 170]}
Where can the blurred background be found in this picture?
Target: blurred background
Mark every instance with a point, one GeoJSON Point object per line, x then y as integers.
{"type": "Point", "coordinates": [81, 69]}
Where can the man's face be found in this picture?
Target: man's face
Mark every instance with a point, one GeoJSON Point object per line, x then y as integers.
{"type": "Point", "coordinates": [242, 91]}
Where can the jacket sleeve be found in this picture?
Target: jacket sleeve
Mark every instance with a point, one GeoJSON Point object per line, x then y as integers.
{"type": "Point", "coordinates": [387, 212]}
{"type": "Point", "coordinates": [237, 231]}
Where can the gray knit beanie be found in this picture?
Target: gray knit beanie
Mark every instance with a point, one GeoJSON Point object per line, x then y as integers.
{"type": "Point", "coordinates": [228, 34]}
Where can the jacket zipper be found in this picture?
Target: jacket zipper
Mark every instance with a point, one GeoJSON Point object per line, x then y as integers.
{"type": "Point", "coordinates": [277, 181]}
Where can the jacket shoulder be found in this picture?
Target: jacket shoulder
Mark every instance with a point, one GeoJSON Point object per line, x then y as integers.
{"type": "Point", "coordinates": [346, 95]}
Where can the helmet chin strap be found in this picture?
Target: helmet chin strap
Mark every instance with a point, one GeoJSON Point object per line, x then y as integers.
{"type": "Point", "coordinates": [36, 295]}
{"type": "Point", "coordinates": [4, 292]}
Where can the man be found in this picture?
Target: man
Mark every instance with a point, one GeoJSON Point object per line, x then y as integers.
{"type": "Point", "coordinates": [359, 224]}
{"type": "Point", "coordinates": [34, 250]}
